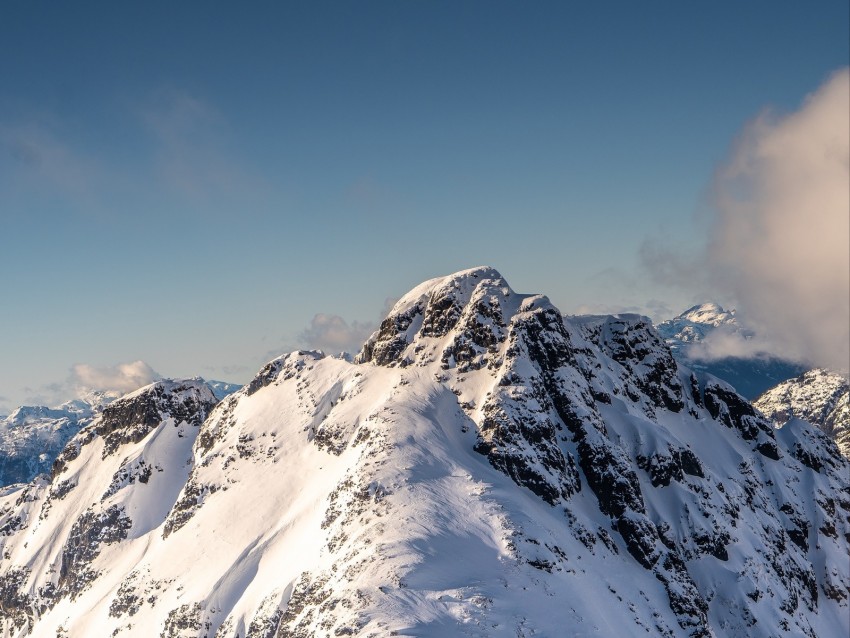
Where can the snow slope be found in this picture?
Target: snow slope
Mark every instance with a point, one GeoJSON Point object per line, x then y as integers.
{"type": "Point", "coordinates": [819, 396]}
{"type": "Point", "coordinates": [483, 468]}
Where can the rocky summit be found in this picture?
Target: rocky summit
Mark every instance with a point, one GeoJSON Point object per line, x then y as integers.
{"type": "Point", "coordinates": [483, 467]}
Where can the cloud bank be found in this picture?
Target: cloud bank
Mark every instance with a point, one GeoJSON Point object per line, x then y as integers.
{"type": "Point", "coordinates": [720, 344]}
{"type": "Point", "coordinates": [84, 378]}
{"type": "Point", "coordinates": [121, 378]}
{"type": "Point", "coordinates": [779, 231]}
{"type": "Point", "coordinates": [781, 237]}
{"type": "Point", "coordinates": [333, 334]}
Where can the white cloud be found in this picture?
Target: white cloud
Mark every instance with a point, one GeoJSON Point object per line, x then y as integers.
{"type": "Point", "coordinates": [333, 334]}
{"type": "Point", "coordinates": [123, 378]}
{"type": "Point", "coordinates": [84, 378]}
{"type": "Point", "coordinates": [779, 232]}
{"type": "Point", "coordinates": [720, 344]}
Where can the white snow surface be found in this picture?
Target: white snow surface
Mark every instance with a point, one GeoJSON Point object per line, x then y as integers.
{"type": "Point", "coordinates": [483, 468]}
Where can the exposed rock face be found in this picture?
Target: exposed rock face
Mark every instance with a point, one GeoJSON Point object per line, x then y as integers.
{"type": "Point", "coordinates": [485, 468]}
{"type": "Point", "coordinates": [819, 397]}
{"type": "Point", "coordinates": [726, 406]}
{"type": "Point", "coordinates": [649, 369]}
{"type": "Point", "coordinates": [131, 419]}
{"type": "Point", "coordinates": [89, 532]}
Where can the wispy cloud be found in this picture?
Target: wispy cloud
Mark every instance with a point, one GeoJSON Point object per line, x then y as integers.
{"type": "Point", "coordinates": [123, 377]}
{"type": "Point", "coordinates": [779, 227]}
{"type": "Point", "coordinates": [50, 394]}
{"type": "Point", "coordinates": [185, 157]}
{"type": "Point", "coordinates": [193, 155]}
{"type": "Point", "coordinates": [332, 334]}
{"type": "Point", "coordinates": [229, 372]}
{"type": "Point", "coordinates": [669, 267]}
{"type": "Point", "coordinates": [607, 309]}
{"type": "Point", "coordinates": [38, 159]}
{"type": "Point", "coordinates": [83, 378]}
{"type": "Point", "coordinates": [722, 343]}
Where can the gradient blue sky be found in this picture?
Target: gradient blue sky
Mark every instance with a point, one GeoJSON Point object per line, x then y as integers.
{"type": "Point", "coordinates": [189, 183]}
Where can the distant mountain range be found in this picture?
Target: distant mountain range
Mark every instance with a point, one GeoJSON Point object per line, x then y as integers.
{"type": "Point", "coordinates": [31, 437]}
{"type": "Point", "coordinates": [223, 389]}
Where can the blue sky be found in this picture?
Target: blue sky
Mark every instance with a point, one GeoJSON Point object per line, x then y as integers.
{"type": "Point", "coordinates": [189, 184]}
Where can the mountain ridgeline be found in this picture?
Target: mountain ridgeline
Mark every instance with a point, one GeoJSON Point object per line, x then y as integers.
{"type": "Point", "coordinates": [33, 436]}
{"type": "Point", "coordinates": [483, 467]}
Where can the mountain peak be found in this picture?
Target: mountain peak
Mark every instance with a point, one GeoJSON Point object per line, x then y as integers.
{"type": "Point", "coordinates": [460, 285]}
{"type": "Point", "coordinates": [696, 323]}
{"type": "Point", "coordinates": [466, 312]}
{"type": "Point", "coordinates": [708, 338]}
{"type": "Point", "coordinates": [156, 396]}
{"type": "Point", "coordinates": [708, 313]}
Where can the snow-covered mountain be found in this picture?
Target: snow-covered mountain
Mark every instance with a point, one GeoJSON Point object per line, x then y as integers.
{"type": "Point", "coordinates": [687, 335]}
{"type": "Point", "coordinates": [696, 323]}
{"type": "Point", "coordinates": [483, 468]}
{"type": "Point", "coordinates": [33, 436]}
{"type": "Point", "coordinates": [819, 396]}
